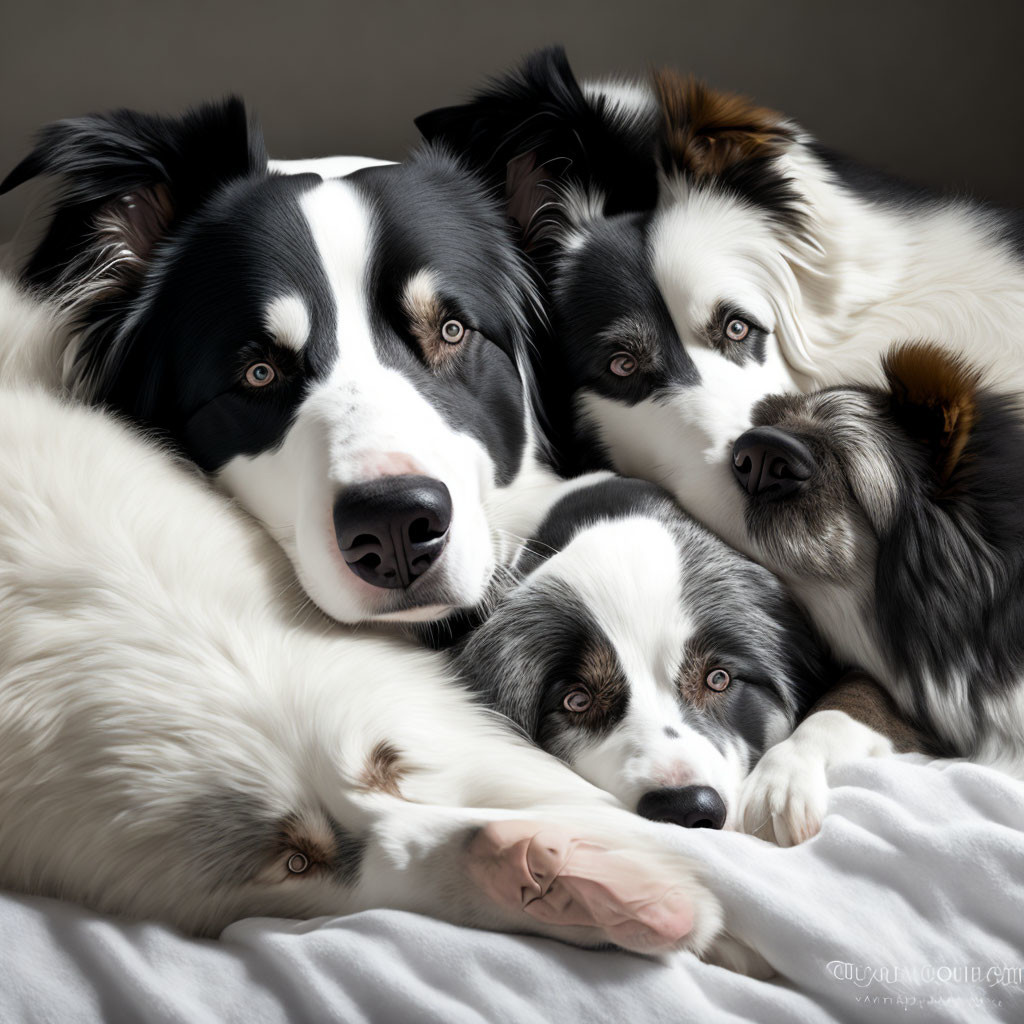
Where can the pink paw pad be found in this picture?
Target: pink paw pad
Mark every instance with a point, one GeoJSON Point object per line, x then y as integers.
{"type": "Point", "coordinates": [560, 878]}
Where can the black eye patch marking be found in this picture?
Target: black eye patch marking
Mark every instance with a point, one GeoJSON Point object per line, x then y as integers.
{"type": "Point", "coordinates": [606, 303]}
{"type": "Point", "coordinates": [628, 348]}
{"type": "Point", "coordinates": [723, 681]}
{"type": "Point", "coordinates": [583, 701]}
{"type": "Point", "coordinates": [434, 224]}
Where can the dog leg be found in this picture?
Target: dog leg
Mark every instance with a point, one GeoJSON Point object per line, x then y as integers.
{"type": "Point", "coordinates": [784, 798]}
{"type": "Point", "coordinates": [588, 879]}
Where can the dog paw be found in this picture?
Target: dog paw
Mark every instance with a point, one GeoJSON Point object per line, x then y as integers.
{"type": "Point", "coordinates": [784, 798]}
{"type": "Point", "coordinates": [647, 901]}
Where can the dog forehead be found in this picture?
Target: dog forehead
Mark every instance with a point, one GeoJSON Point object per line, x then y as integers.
{"type": "Point", "coordinates": [708, 248]}
{"type": "Point", "coordinates": [627, 574]}
{"type": "Point", "coordinates": [340, 223]}
{"type": "Point", "coordinates": [605, 275]}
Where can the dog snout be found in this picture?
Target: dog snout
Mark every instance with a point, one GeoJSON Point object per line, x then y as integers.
{"type": "Point", "coordinates": [392, 529]}
{"type": "Point", "coordinates": [688, 806]}
{"type": "Point", "coordinates": [770, 463]}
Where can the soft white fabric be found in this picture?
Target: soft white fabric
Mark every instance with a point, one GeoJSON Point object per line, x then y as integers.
{"type": "Point", "coordinates": [918, 871]}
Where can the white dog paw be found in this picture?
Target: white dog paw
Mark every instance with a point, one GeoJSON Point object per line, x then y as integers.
{"type": "Point", "coordinates": [784, 799]}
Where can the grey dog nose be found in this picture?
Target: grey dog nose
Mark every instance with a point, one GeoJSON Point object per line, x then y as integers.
{"type": "Point", "coordinates": [771, 463]}
{"type": "Point", "coordinates": [391, 530]}
{"type": "Point", "coordinates": [689, 806]}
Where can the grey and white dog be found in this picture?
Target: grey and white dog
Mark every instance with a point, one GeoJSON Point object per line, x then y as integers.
{"type": "Point", "coordinates": [654, 660]}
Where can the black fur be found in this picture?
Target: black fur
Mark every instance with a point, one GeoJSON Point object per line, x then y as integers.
{"type": "Point", "coordinates": [103, 156]}
{"type": "Point", "coordinates": [166, 343]}
{"type": "Point", "coordinates": [541, 109]}
{"type": "Point", "coordinates": [950, 573]}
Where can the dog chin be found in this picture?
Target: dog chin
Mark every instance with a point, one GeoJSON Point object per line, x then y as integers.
{"type": "Point", "coordinates": [785, 538]}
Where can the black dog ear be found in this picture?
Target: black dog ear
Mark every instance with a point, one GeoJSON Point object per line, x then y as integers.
{"type": "Point", "coordinates": [126, 180]}
{"type": "Point", "coordinates": [536, 129]}
{"type": "Point", "coordinates": [933, 393]}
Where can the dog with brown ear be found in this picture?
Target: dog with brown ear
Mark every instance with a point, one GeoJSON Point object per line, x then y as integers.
{"type": "Point", "coordinates": [900, 530]}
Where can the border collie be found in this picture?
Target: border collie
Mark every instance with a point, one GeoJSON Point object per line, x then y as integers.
{"type": "Point", "coordinates": [701, 252]}
{"type": "Point", "coordinates": [202, 745]}
{"type": "Point", "coordinates": [344, 355]}
{"type": "Point", "coordinates": [636, 647]}
{"type": "Point", "coordinates": [899, 529]}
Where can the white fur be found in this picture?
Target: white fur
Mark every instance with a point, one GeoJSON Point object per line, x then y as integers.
{"type": "Point", "coordinates": [785, 797]}
{"type": "Point", "coordinates": [833, 301]}
{"type": "Point", "coordinates": [287, 322]}
{"type": "Point", "coordinates": [326, 166]}
{"type": "Point", "coordinates": [161, 675]}
{"type": "Point", "coordinates": [627, 574]}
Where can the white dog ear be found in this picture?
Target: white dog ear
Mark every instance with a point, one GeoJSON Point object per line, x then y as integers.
{"type": "Point", "coordinates": [934, 396]}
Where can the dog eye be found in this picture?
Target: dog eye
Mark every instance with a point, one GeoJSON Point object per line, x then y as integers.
{"type": "Point", "coordinates": [577, 701]}
{"type": "Point", "coordinates": [452, 332]}
{"type": "Point", "coordinates": [737, 330]}
{"type": "Point", "coordinates": [297, 863]}
{"type": "Point", "coordinates": [717, 680]}
{"type": "Point", "coordinates": [259, 375]}
{"type": "Point", "coordinates": [622, 364]}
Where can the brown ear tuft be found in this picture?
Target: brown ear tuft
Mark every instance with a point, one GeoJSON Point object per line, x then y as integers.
{"type": "Point", "coordinates": [705, 132]}
{"type": "Point", "coordinates": [934, 393]}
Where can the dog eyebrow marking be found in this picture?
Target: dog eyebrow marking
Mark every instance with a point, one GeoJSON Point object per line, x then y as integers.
{"type": "Point", "coordinates": [421, 304]}
{"type": "Point", "coordinates": [287, 322]}
{"type": "Point", "coordinates": [426, 312]}
{"type": "Point", "coordinates": [384, 770]}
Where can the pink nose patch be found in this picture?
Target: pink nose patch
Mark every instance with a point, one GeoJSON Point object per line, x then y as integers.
{"type": "Point", "coordinates": [377, 464]}
{"type": "Point", "coordinates": [558, 876]}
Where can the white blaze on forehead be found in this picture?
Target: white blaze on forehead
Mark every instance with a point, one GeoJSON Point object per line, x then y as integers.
{"type": "Point", "coordinates": [287, 322]}
{"type": "Point", "coordinates": [627, 574]}
{"type": "Point", "coordinates": [339, 220]}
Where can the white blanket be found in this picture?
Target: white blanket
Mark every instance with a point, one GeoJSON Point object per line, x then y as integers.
{"type": "Point", "coordinates": [908, 906]}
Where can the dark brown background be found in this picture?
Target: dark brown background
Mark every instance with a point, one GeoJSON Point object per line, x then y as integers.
{"type": "Point", "coordinates": [933, 90]}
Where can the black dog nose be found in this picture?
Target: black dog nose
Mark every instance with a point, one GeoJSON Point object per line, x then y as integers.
{"type": "Point", "coordinates": [391, 530]}
{"type": "Point", "coordinates": [689, 806]}
{"type": "Point", "coordinates": [771, 463]}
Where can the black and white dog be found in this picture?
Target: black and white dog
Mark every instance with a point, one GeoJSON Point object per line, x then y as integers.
{"type": "Point", "coordinates": [700, 253]}
{"type": "Point", "coordinates": [767, 265]}
{"type": "Point", "coordinates": [899, 529]}
{"type": "Point", "coordinates": [655, 661]}
{"type": "Point", "coordinates": [344, 355]}
{"type": "Point", "coordinates": [185, 739]}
